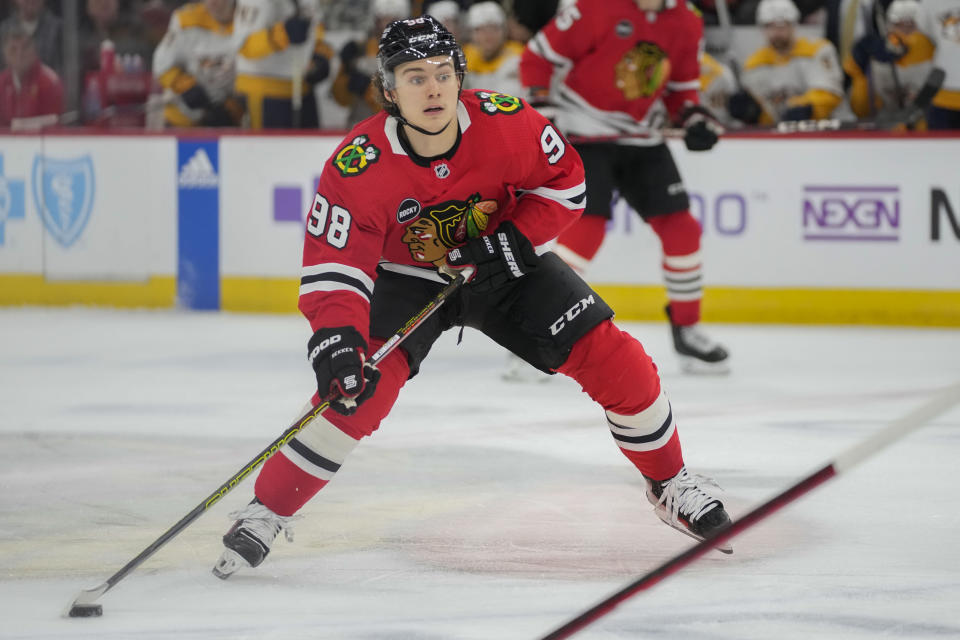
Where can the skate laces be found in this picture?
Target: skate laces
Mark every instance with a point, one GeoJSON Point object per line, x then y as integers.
{"type": "Point", "coordinates": [682, 495]}
{"type": "Point", "coordinates": [259, 520]}
{"type": "Point", "coordinates": [694, 337]}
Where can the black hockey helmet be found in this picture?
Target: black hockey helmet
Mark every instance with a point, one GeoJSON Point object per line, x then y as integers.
{"type": "Point", "coordinates": [416, 39]}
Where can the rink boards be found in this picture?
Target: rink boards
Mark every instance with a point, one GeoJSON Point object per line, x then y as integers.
{"type": "Point", "coordinates": [825, 229]}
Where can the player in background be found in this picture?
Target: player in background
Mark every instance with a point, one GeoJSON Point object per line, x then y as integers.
{"type": "Point", "coordinates": [886, 72]}
{"type": "Point", "coordinates": [426, 183]}
{"type": "Point", "coordinates": [790, 78]}
{"type": "Point", "coordinates": [631, 65]}
{"type": "Point", "coordinates": [493, 60]}
{"type": "Point", "coordinates": [281, 55]}
{"type": "Point", "coordinates": [717, 84]}
{"type": "Point", "coordinates": [194, 63]}
{"type": "Point", "coordinates": [447, 13]}
{"type": "Point", "coordinates": [940, 20]}
{"type": "Point", "coordinates": [352, 86]}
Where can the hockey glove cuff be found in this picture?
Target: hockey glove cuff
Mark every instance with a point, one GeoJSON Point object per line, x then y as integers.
{"type": "Point", "coordinates": [297, 28]}
{"type": "Point", "coordinates": [196, 97]}
{"type": "Point", "coordinates": [744, 108]}
{"type": "Point", "coordinates": [500, 258]}
{"type": "Point", "coordinates": [337, 358]}
{"type": "Point", "coordinates": [799, 112]}
{"type": "Point", "coordinates": [702, 129]}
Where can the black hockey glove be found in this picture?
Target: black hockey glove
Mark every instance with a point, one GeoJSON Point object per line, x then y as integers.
{"type": "Point", "coordinates": [336, 356]}
{"type": "Point", "coordinates": [297, 28]}
{"type": "Point", "coordinates": [799, 112]}
{"type": "Point", "coordinates": [744, 108]}
{"type": "Point", "coordinates": [318, 70]}
{"type": "Point", "coordinates": [500, 258]}
{"type": "Point", "coordinates": [701, 128]}
{"type": "Point", "coordinates": [878, 48]}
{"type": "Point", "coordinates": [228, 113]}
{"type": "Point", "coordinates": [196, 97]}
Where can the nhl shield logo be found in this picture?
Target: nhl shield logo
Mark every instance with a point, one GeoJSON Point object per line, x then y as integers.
{"type": "Point", "coordinates": [63, 194]}
{"type": "Point", "coordinates": [441, 170]}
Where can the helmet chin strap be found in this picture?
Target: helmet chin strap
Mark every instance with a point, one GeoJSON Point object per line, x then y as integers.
{"type": "Point", "coordinates": [407, 123]}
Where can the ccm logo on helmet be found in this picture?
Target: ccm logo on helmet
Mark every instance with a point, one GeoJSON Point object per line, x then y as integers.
{"type": "Point", "coordinates": [323, 345]}
{"type": "Point", "coordinates": [571, 313]}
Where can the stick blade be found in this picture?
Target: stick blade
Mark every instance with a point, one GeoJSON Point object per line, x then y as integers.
{"type": "Point", "coordinates": [85, 604]}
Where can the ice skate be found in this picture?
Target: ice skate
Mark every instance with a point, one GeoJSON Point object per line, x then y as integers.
{"type": "Point", "coordinates": [519, 370]}
{"type": "Point", "coordinates": [248, 540]}
{"type": "Point", "coordinates": [697, 352]}
{"type": "Point", "coordinates": [682, 503]}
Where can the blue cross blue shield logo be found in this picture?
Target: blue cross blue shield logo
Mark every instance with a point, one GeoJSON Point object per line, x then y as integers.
{"type": "Point", "coordinates": [63, 193]}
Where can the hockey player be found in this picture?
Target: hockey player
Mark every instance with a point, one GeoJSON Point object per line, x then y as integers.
{"type": "Point", "coordinates": [492, 60]}
{"type": "Point", "coordinates": [790, 78]}
{"type": "Point", "coordinates": [426, 182]}
{"type": "Point", "coordinates": [281, 56]}
{"type": "Point", "coordinates": [633, 63]}
{"type": "Point", "coordinates": [353, 85]}
{"type": "Point", "coordinates": [940, 20]}
{"type": "Point", "coordinates": [717, 84]}
{"type": "Point", "coordinates": [194, 63]}
{"type": "Point", "coordinates": [886, 73]}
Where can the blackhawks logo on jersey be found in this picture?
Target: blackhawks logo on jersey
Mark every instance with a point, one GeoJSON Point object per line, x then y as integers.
{"type": "Point", "coordinates": [642, 70]}
{"type": "Point", "coordinates": [444, 226]}
{"type": "Point", "coordinates": [494, 103]}
{"type": "Point", "coordinates": [353, 159]}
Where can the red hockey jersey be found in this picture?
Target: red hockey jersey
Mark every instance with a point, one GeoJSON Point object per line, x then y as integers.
{"type": "Point", "coordinates": [622, 65]}
{"type": "Point", "coordinates": [379, 203]}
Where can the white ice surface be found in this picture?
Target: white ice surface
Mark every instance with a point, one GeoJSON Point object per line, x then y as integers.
{"type": "Point", "coordinates": [482, 509]}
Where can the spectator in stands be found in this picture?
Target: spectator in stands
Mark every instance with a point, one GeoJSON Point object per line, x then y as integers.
{"type": "Point", "coordinates": [282, 56]}
{"type": "Point", "coordinates": [45, 28]}
{"type": "Point", "coordinates": [940, 20]}
{"type": "Point", "coordinates": [103, 20]}
{"type": "Point", "coordinates": [352, 86]}
{"type": "Point", "coordinates": [717, 84]}
{"type": "Point", "coordinates": [194, 63]}
{"type": "Point", "coordinates": [28, 88]}
{"type": "Point", "coordinates": [447, 12]}
{"type": "Point", "coordinates": [791, 78]}
{"type": "Point", "coordinates": [886, 73]}
{"type": "Point", "coordinates": [493, 61]}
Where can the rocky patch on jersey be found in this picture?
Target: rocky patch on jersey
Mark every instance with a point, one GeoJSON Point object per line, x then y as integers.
{"type": "Point", "coordinates": [443, 226]}
{"type": "Point", "coordinates": [642, 71]}
{"type": "Point", "coordinates": [494, 103]}
{"type": "Point", "coordinates": [353, 159]}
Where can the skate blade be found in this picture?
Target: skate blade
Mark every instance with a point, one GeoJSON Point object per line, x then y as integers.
{"type": "Point", "coordinates": [228, 564]}
{"type": "Point", "coordinates": [695, 366]}
{"type": "Point", "coordinates": [726, 547]}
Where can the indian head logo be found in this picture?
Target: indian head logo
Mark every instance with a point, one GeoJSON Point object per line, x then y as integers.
{"type": "Point", "coordinates": [642, 70]}
{"type": "Point", "coordinates": [444, 226]}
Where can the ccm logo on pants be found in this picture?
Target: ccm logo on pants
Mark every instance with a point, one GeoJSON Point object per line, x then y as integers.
{"type": "Point", "coordinates": [571, 313]}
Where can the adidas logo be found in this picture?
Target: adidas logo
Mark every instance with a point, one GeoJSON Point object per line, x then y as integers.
{"type": "Point", "coordinates": [198, 173]}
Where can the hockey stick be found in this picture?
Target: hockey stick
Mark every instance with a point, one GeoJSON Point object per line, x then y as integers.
{"type": "Point", "coordinates": [940, 403]}
{"type": "Point", "coordinates": [85, 605]}
{"type": "Point", "coordinates": [907, 116]}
